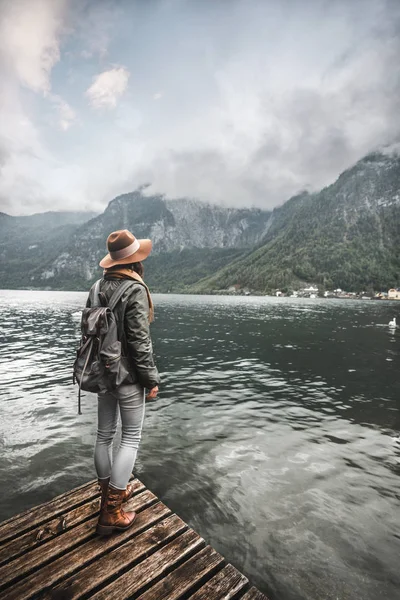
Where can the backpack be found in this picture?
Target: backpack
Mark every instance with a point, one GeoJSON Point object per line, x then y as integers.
{"type": "Point", "coordinates": [99, 364]}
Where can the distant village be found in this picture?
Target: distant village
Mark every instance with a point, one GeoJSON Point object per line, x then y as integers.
{"type": "Point", "coordinates": [315, 292]}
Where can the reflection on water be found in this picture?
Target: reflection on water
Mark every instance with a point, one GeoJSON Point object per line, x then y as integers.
{"type": "Point", "coordinates": [276, 435]}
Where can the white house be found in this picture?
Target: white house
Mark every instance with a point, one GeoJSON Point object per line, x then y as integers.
{"type": "Point", "coordinates": [394, 294]}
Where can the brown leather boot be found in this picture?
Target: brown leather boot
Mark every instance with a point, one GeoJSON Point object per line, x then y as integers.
{"type": "Point", "coordinates": [104, 483]}
{"type": "Point", "coordinates": [112, 516]}
{"type": "Point", "coordinates": [129, 491]}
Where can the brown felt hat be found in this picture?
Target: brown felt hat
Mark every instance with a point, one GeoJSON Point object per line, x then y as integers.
{"type": "Point", "coordinates": [124, 249]}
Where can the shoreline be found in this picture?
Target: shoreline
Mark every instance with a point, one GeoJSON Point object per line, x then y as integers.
{"type": "Point", "coordinates": [212, 293]}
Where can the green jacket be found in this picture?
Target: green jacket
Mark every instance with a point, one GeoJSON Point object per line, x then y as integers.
{"type": "Point", "coordinates": [133, 329]}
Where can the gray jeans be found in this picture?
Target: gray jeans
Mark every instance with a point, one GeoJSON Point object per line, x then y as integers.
{"type": "Point", "coordinates": [130, 400]}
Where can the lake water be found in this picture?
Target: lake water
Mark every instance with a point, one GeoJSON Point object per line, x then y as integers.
{"type": "Point", "coordinates": [275, 436]}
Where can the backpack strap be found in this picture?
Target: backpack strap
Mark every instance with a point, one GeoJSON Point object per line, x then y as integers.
{"type": "Point", "coordinates": [96, 290]}
{"type": "Point", "coordinates": [118, 293]}
{"type": "Point", "coordinates": [89, 343]}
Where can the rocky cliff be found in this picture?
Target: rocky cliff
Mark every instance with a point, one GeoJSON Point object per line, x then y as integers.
{"type": "Point", "coordinates": [191, 239]}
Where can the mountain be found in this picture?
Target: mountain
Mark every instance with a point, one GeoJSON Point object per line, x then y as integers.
{"type": "Point", "coordinates": [28, 242]}
{"type": "Point", "coordinates": [347, 235]}
{"type": "Point", "coordinates": [191, 239]}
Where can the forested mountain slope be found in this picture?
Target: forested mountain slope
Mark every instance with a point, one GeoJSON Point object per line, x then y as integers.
{"type": "Point", "coordinates": [347, 235]}
{"type": "Point", "coordinates": [29, 242]}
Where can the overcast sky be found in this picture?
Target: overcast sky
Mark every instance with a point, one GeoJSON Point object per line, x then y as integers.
{"type": "Point", "coordinates": [240, 102]}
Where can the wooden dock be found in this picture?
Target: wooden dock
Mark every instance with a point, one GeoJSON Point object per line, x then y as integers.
{"type": "Point", "coordinates": [53, 552]}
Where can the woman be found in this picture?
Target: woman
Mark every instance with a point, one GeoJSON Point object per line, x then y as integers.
{"type": "Point", "coordinates": [133, 313]}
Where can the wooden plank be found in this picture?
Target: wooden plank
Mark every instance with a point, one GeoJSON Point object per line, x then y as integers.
{"type": "Point", "coordinates": [225, 585]}
{"type": "Point", "coordinates": [40, 514]}
{"type": "Point", "coordinates": [60, 544]}
{"type": "Point", "coordinates": [53, 552]}
{"type": "Point", "coordinates": [44, 512]}
{"type": "Point", "coordinates": [195, 570]}
{"type": "Point", "coordinates": [254, 594]}
{"type": "Point", "coordinates": [115, 562]}
{"type": "Point", "coordinates": [29, 510]}
{"type": "Point", "coordinates": [152, 568]}
{"type": "Point", "coordinates": [30, 540]}
{"type": "Point", "coordinates": [64, 566]}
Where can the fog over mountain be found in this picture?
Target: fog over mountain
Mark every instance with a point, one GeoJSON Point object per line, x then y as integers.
{"type": "Point", "coordinates": [237, 103]}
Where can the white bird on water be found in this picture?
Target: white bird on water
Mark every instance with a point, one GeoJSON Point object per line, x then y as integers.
{"type": "Point", "coordinates": [392, 323]}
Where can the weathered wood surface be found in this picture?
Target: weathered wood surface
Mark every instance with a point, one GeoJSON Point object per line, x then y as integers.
{"type": "Point", "coordinates": [225, 585]}
{"type": "Point", "coordinates": [197, 569]}
{"type": "Point", "coordinates": [47, 577]}
{"type": "Point", "coordinates": [32, 518]}
{"type": "Point", "coordinates": [52, 528]}
{"type": "Point", "coordinates": [253, 594]}
{"type": "Point", "coordinates": [52, 552]}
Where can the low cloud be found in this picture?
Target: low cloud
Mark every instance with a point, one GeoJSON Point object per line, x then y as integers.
{"type": "Point", "coordinates": [241, 107]}
{"type": "Point", "coordinates": [267, 139]}
{"type": "Point", "coordinates": [107, 88]}
{"type": "Point", "coordinates": [67, 116]}
{"type": "Point", "coordinates": [65, 113]}
{"type": "Point", "coordinates": [29, 40]}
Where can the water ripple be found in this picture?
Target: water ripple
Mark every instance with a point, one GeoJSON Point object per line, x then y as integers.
{"type": "Point", "coordinates": [276, 434]}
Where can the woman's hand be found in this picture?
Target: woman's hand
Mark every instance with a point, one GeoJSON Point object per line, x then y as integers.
{"type": "Point", "coordinates": [152, 395]}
